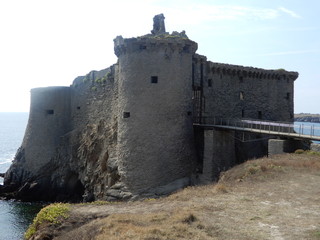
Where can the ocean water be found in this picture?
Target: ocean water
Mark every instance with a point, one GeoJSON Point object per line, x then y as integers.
{"type": "Point", "coordinates": [308, 128]}
{"type": "Point", "coordinates": [15, 217]}
{"type": "Point", "coordinates": [12, 128]}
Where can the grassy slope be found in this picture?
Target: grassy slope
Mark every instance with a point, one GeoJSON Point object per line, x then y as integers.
{"type": "Point", "coordinates": [271, 198]}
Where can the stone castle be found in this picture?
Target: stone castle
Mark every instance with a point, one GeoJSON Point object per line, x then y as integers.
{"type": "Point", "coordinates": [128, 131]}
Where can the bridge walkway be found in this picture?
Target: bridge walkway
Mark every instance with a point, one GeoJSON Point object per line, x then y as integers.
{"type": "Point", "coordinates": [288, 130]}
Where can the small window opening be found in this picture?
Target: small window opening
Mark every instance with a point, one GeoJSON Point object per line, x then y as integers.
{"type": "Point", "coordinates": [241, 96]}
{"type": "Point", "coordinates": [259, 115]}
{"type": "Point", "coordinates": [189, 113]}
{"type": "Point", "coordinates": [241, 79]}
{"type": "Point", "coordinates": [50, 111]}
{"type": "Point", "coordinates": [291, 116]}
{"type": "Point", "coordinates": [78, 108]}
{"type": "Point", "coordinates": [209, 82]}
{"type": "Point", "coordinates": [288, 96]}
{"type": "Point", "coordinates": [242, 113]}
{"type": "Point", "coordinates": [126, 114]}
{"type": "Point", "coordinates": [186, 48]}
{"type": "Point", "coordinates": [154, 79]}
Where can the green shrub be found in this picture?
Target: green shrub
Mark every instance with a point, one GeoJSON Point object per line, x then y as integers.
{"type": "Point", "coordinates": [313, 153]}
{"type": "Point", "coordinates": [52, 214]}
{"type": "Point", "coordinates": [299, 151]}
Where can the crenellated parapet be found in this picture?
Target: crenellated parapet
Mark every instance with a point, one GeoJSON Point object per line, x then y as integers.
{"type": "Point", "coordinates": [250, 72]}
{"type": "Point", "coordinates": [171, 42]}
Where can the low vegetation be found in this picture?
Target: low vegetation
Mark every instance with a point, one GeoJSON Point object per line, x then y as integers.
{"type": "Point", "coordinates": [259, 199]}
{"type": "Point", "coordinates": [52, 215]}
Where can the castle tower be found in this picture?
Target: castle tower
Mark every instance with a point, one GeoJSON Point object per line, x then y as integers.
{"type": "Point", "coordinates": [49, 120]}
{"type": "Point", "coordinates": [155, 131]}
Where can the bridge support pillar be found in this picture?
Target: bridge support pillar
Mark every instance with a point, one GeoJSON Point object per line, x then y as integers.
{"type": "Point", "coordinates": [219, 153]}
{"type": "Point", "coordinates": [280, 146]}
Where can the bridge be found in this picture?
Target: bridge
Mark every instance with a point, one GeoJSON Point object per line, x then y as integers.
{"type": "Point", "coordinates": [288, 130]}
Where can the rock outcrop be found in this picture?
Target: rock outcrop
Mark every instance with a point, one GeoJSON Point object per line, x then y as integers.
{"type": "Point", "coordinates": [82, 156]}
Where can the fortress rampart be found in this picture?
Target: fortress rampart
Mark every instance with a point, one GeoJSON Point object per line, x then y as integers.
{"type": "Point", "coordinates": [127, 131]}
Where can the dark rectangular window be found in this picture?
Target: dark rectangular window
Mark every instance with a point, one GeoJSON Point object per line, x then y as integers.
{"type": "Point", "coordinates": [154, 79]}
{"type": "Point", "coordinates": [50, 111]}
{"type": "Point", "coordinates": [288, 96]}
{"type": "Point", "coordinates": [242, 113]}
{"type": "Point", "coordinates": [241, 79]}
{"type": "Point", "coordinates": [259, 115]}
{"type": "Point", "coordinates": [126, 114]}
{"type": "Point", "coordinates": [78, 108]}
{"type": "Point", "coordinates": [209, 82]}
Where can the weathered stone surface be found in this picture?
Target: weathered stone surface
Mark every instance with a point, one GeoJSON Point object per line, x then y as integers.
{"type": "Point", "coordinates": [315, 147]}
{"type": "Point", "coordinates": [171, 187]}
{"type": "Point", "coordinates": [158, 24]}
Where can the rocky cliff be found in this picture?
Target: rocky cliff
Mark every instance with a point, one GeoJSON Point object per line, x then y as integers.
{"type": "Point", "coordinates": [82, 163]}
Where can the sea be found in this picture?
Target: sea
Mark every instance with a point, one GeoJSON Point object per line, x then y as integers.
{"type": "Point", "coordinates": [15, 217]}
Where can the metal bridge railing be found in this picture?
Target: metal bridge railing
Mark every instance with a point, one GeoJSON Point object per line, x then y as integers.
{"type": "Point", "coordinates": [262, 125]}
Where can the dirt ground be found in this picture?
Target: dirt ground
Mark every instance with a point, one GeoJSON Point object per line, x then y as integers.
{"type": "Point", "coordinates": [271, 198]}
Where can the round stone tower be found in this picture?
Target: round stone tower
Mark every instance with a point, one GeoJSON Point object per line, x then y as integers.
{"type": "Point", "coordinates": [49, 120]}
{"type": "Point", "coordinates": [155, 131]}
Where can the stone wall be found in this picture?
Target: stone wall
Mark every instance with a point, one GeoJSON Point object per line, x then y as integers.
{"type": "Point", "coordinates": [231, 91]}
{"type": "Point", "coordinates": [315, 147]}
{"type": "Point", "coordinates": [49, 119]}
{"type": "Point", "coordinates": [280, 146]}
{"type": "Point", "coordinates": [219, 154]}
{"type": "Point", "coordinates": [93, 150]}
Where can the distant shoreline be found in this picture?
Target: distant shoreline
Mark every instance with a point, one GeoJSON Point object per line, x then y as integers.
{"type": "Point", "coordinates": [307, 117]}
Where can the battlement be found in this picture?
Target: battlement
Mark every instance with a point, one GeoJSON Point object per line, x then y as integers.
{"type": "Point", "coordinates": [250, 72]}
{"type": "Point", "coordinates": [49, 89]}
{"type": "Point", "coordinates": [158, 39]}
{"type": "Point", "coordinates": [154, 42]}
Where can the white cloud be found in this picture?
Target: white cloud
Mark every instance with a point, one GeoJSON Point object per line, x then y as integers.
{"type": "Point", "coordinates": [291, 13]}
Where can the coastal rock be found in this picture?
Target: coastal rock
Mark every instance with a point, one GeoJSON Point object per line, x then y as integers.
{"type": "Point", "coordinates": [315, 147]}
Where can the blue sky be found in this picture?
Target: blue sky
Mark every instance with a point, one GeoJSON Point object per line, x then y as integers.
{"type": "Point", "coordinates": [49, 43]}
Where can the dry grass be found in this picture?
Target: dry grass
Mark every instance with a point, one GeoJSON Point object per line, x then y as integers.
{"type": "Point", "coordinates": [269, 167]}
{"type": "Point", "coordinates": [259, 199]}
{"type": "Point", "coordinates": [198, 191]}
{"type": "Point", "coordinates": [202, 211]}
{"type": "Point", "coordinates": [152, 226]}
